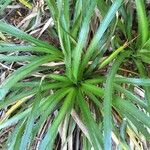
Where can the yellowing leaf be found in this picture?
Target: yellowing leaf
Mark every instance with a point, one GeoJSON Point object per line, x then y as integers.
{"type": "Point", "coordinates": [26, 3]}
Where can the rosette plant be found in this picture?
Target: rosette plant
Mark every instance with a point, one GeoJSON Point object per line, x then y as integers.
{"type": "Point", "coordinates": [80, 94]}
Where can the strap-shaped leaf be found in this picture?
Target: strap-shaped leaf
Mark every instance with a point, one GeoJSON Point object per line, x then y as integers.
{"type": "Point", "coordinates": [133, 98]}
{"type": "Point", "coordinates": [143, 74]}
{"type": "Point", "coordinates": [16, 58]}
{"type": "Point", "coordinates": [61, 78]}
{"type": "Point", "coordinates": [21, 73]}
{"type": "Point", "coordinates": [100, 32]}
{"type": "Point", "coordinates": [30, 122]}
{"type": "Point", "coordinates": [129, 108]}
{"type": "Point", "coordinates": [17, 137]}
{"type": "Point", "coordinates": [96, 80]}
{"type": "Point", "coordinates": [4, 27]}
{"type": "Point", "coordinates": [11, 48]}
{"type": "Point", "coordinates": [82, 39]}
{"type": "Point", "coordinates": [14, 119]}
{"type": "Point", "coordinates": [49, 103]}
{"type": "Point", "coordinates": [93, 89]}
{"type": "Point", "coordinates": [108, 96]}
{"type": "Point", "coordinates": [48, 140]}
{"type": "Point", "coordinates": [139, 126]}
{"type": "Point", "coordinates": [12, 139]}
{"type": "Point", "coordinates": [95, 137]}
{"type": "Point", "coordinates": [142, 21]}
{"type": "Point", "coordinates": [136, 81]}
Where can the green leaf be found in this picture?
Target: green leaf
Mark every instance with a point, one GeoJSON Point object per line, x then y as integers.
{"type": "Point", "coordinates": [146, 46]}
{"type": "Point", "coordinates": [48, 103]}
{"type": "Point", "coordinates": [136, 81]}
{"type": "Point", "coordinates": [128, 108]}
{"type": "Point", "coordinates": [96, 80]}
{"type": "Point", "coordinates": [145, 57]}
{"type": "Point", "coordinates": [17, 95]}
{"type": "Point", "coordinates": [61, 78]}
{"type": "Point", "coordinates": [48, 140]}
{"type": "Point", "coordinates": [112, 56]}
{"type": "Point", "coordinates": [53, 8]}
{"type": "Point", "coordinates": [108, 96]}
{"type": "Point", "coordinates": [95, 137]}
{"type": "Point", "coordinates": [4, 27]}
{"type": "Point", "coordinates": [16, 141]}
{"type": "Point", "coordinates": [133, 98]}
{"type": "Point", "coordinates": [13, 136]}
{"type": "Point", "coordinates": [82, 39]}
{"type": "Point", "coordinates": [93, 98]}
{"type": "Point", "coordinates": [143, 74]}
{"type": "Point", "coordinates": [93, 89]}
{"type": "Point", "coordinates": [139, 126]}
{"type": "Point", "coordinates": [14, 47]}
{"type": "Point", "coordinates": [21, 73]}
{"type": "Point", "coordinates": [14, 119]}
{"type": "Point", "coordinates": [103, 7]}
{"type": "Point", "coordinates": [100, 32]}
{"type": "Point", "coordinates": [16, 58]}
{"type": "Point", "coordinates": [142, 21]}
{"type": "Point", "coordinates": [25, 140]}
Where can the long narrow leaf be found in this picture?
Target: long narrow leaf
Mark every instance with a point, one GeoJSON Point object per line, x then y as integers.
{"type": "Point", "coordinates": [129, 108]}
{"type": "Point", "coordinates": [82, 39]}
{"type": "Point", "coordinates": [52, 131]}
{"type": "Point", "coordinates": [16, 58]}
{"type": "Point", "coordinates": [21, 73]}
{"type": "Point", "coordinates": [96, 137]}
{"type": "Point", "coordinates": [100, 32]}
{"type": "Point", "coordinates": [12, 48]}
{"type": "Point", "coordinates": [4, 27]}
{"type": "Point", "coordinates": [108, 96]}
{"type": "Point", "coordinates": [142, 21]}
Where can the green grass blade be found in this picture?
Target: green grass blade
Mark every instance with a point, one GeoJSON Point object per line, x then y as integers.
{"type": "Point", "coordinates": [133, 98]}
{"type": "Point", "coordinates": [139, 126]}
{"type": "Point", "coordinates": [21, 73]}
{"type": "Point", "coordinates": [4, 27]}
{"type": "Point", "coordinates": [12, 139]}
{"type": "Point", "coordinates": [95, 137]}
{"type": "Point", "coordinates": [108, 96]}
{"type": "Point", "coordinates": [37, 109]}
{"type": "Point", "coordinates": [143, 74]}
{"type": "Point", "coordinates": [61, 78]}
{"type": "Point", "coordinates": [93, 89]}
{"type": "Point", "coordinates": [142, 21]}
{"type": "Point", "coordinates": [52, 131]}
{"type": "Point", "coordinates": [82, 39]}
{"type": "Point", "coordinates": [129, 108]}
{"type": "Point", "coordinates": [14, 119]}
{"type": "Point", "coordinates": [17, 139]}
{"type": "Point", "coordinates": [136, 81]}
{"type": "Point", "coordinates": [103, 7]}
{"type": "Point", "coordinates": [53, 8]}
{"type": "Point", "coordinates": [112, 57]}
{"type": "Point", "coordinates": [146, 46]}
{"type": "Point", "coordinates": [16, 58]}
{"type": "Point", "coordinates": [15, 96]}
{"type": "Point", "coordinates": [48, 103]}
{"type": "Point", "coordinates": [93, 98]}
{"type": "Point", "coordinates": [100, 32]}
{"type": "Point", "coordinates": [26, 138]}
{"type": "Point", "coordinates": [96, 80]}
{"type": "Point", "coordinates": [12, 48]}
